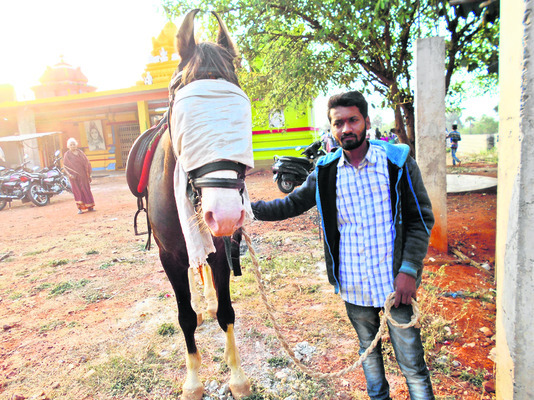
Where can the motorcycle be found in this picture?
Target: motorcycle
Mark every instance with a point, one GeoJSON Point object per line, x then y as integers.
{"type": "Point", "coordinates": [19, 184]}
{"type": "Point", "coordinates": [289, 172]}
{"type": "Point", "coordinates": [53, 180]}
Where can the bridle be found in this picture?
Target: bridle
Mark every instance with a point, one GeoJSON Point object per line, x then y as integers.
{"type": "Point", "coordinates": [196, 181]}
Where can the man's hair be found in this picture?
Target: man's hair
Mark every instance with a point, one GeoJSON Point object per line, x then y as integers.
{"type": "Point", "coordinates": [348, 99]}
{"type": "Point", "coordinates": [454, 126]}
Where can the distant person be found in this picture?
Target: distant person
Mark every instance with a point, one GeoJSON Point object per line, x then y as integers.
{"type": "Point", "coordinates": [392, 136]}
{"type": "Point", "coordinates": [455, 137]}
{"type": "Point", "coordinates": [329, 143]}
{"type": "Point", "coordinates": [78, 170]}
{"type": "Point", "coordinates": [378, 135]}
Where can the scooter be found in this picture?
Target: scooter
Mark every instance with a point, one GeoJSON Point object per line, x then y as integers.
{"type": "Point", "coordinates": [289, 172]}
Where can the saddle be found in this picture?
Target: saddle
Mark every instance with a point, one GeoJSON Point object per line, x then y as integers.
{"type": "Point", "coordinates": [140, 157]}
{"type": "Point", "coordinates": [138, 169]}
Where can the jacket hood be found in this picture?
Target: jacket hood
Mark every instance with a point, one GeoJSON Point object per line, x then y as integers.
{"type": "Point", "coordinates": [396, 153]}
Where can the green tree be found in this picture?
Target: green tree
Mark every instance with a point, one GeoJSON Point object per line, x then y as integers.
{"type": "Point", "coordinates": [470, 121]}
{"type": "Point", "coordinates": [485, 124]}
{"type": "Point", "coordinates": [293, 50]}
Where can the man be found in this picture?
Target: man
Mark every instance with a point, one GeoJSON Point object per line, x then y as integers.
{"type": "Point", "coordinates": [376, 217]}
{"type": "Point", "coordinates": [455, 137]}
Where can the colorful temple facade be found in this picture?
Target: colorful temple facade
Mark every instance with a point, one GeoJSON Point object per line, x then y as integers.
{"type": "Point", "coordinates": [66, 106]}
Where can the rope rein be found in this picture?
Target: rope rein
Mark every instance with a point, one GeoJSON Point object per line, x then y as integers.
{"type": "Point", "coordinates": [307, 370]}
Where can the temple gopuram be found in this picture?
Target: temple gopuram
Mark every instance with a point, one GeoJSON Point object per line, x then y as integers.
{"type": "Point", "coordinates": [66, 106]}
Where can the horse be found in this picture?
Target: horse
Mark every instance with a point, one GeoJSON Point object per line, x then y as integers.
{"type": "Point", "coordinates": [216, 188]}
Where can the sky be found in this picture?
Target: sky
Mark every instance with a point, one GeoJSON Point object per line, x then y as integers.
{"type": "Point", "coordinates": [110, 40]}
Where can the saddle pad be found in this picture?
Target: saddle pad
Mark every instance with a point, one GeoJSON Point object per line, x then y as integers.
{"type": "Point", "coordinates": [140, 157]}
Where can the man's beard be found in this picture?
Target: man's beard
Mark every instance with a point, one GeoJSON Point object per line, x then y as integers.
{"type": "Point", "coordinates": [354, 144]}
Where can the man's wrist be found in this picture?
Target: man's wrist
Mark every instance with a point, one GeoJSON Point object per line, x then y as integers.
{"type": "Point", "coordinates": [409, 268]}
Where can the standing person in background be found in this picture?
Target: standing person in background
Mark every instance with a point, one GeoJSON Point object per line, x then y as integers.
{"type": "Point", "coordinates": [455, 137]}
{"type": "Point", "coordinates": [329, 143]}
{"type": "Point", "coordinates": [78, 170]}
{"type": "Point", "coordinates": [376, 218]}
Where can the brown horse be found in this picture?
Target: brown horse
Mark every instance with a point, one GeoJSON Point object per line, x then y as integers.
{"type": "Point", "coordinates": [222, 203]}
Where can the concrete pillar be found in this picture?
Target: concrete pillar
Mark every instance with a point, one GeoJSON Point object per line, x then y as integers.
{"type": "Point", "coordinates": [144, 116]}
{"type": "Point", "coordinates": [26, 121]}
{"type": "Point", "coordinates": [515, 204]}
{"type": "Point", "coordinates": [430, 130]}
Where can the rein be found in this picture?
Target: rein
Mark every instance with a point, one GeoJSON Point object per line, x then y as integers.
{"type": "Point", "coordinates": [386, 317]}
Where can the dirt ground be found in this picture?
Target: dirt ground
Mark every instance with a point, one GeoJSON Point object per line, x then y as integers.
{"type": "Point", "coordinates": [76, 290]}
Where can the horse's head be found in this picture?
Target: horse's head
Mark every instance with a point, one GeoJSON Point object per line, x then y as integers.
{"type": "Point", "coordinates": [211, 122]}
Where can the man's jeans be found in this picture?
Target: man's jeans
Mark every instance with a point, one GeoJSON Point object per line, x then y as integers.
{"type": "Point", "coordinates": [454, 158]}
{"type": "Point", "coordinates": [408, 350]}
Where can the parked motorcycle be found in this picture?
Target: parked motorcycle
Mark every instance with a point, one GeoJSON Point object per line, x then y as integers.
{"type": "Point", "coordinates": [19, 184]}
{"type": "Point", "coordinates": [289, 172]}
{"type": "Point", "coordinates": [53, 180]}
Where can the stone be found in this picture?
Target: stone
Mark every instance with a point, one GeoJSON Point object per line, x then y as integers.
{"type": "Point", "coordinates": [486, 331]}
{"type": "Point", "coordinates": [489, 386]}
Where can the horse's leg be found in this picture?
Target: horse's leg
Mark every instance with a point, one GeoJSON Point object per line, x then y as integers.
{"type": "Point", "coordinates": [173, 255]}
{"type": "Point", "coordinates": [192, 388]}
{"type": "Point", "coordinates": [209, 291]}
{"type": "Point", "coordinates": [239, 383]}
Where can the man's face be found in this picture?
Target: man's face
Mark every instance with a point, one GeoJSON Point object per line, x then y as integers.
{"type": "Point", "coordinates": [348, 126]}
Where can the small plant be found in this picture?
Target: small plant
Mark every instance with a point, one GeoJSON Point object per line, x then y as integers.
{"type": "Point", "coordinates": [15, 296]}
{"type": "Point", "coordinates": [166, 329]}
{"type": "Point", "coordinates": [42, 287]}
{"type": "Point", "coordinates": [122, 377]}
{"type": "Point", "coordinates": [56, 263]}
{"type": "Point", "coordinates": [311, 289]}
{"type": "Point", "coordinates": [164, 295]}
{"type": "Point", "coordinates": [51, 326]}
{"type": "Point", "coordinates": [106, 265]}
{"type": "Point", "coordinates": [95, 297]}
{"type": "Point", "coordinates": [474, 377]}
{"type": "Point", "coordinates": [64, 287]}
{"type": "Point", "coordinates": [91, 252]}
{"type": "Point", "coordinates": [33, 253]}
{"type": "Point", "coordinates": [278, 362]}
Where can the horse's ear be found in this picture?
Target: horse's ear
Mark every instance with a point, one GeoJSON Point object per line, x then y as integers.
{"type": "Point", "coordinates": [223, 37]}
{"type": "Point", "coordinates": [185, 38]}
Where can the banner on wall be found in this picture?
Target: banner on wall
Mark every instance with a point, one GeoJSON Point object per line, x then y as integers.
{"type": "Point", "coordinates": [95, 135]}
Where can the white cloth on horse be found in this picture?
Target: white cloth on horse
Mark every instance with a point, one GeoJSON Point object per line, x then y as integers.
{"type": "Point", "coordinates": [211, 120]}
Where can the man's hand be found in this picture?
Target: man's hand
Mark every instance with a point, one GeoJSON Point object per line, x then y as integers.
{"type": "Point", "coordinates": [404, 289]}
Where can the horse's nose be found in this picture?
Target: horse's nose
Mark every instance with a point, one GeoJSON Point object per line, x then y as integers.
{"type": "Point", "coordinates": [224, 225]}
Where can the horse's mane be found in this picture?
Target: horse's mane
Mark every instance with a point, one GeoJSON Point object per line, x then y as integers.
{"type": "Point", "coordinates": [210, 61]}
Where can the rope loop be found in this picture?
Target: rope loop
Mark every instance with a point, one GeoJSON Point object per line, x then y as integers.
{"type": "Point", "coordinates": [304, 368]}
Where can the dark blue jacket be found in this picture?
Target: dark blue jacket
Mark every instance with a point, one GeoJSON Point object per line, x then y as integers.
{"type": "Point", "coordinates": [410, 205]}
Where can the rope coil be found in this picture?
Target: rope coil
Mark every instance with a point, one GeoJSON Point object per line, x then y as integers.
{"type": "Point", "coordinates": [304, 368]}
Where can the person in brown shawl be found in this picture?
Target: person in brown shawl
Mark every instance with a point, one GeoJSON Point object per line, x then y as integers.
{"type": "Point", "coordinates": [78, 170]}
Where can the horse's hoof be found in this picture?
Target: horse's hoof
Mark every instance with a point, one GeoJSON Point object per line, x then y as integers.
{"type": "Point", "coordinates": [192, 394]}
{"type": "Point", "coordinates": [200, 319]}
{"type": "Point", "coordinates": [240, 390]}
